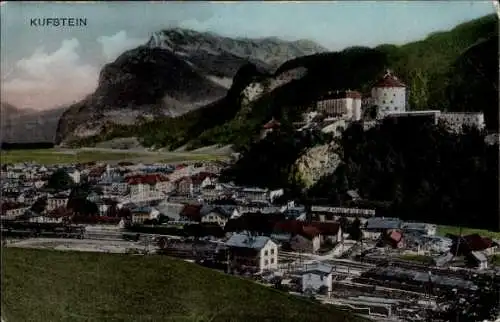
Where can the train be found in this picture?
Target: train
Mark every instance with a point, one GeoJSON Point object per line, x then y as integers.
{"type": "Point", "coordinates": [27, 229]}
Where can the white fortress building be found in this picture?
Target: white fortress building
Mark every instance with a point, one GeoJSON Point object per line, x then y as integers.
{"type": "Point", "coordinates": [341, 104]}
{"type": "Point", "coordinates": [456, 120]}
{"type": "Point", "coordinates": [389, 95]}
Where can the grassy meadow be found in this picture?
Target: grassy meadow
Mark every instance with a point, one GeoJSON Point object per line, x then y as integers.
{"type": "Point", "coordinates": [46, 285]}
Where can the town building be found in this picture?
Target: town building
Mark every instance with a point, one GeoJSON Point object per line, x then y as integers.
{"type": "Point", "coordinates": [272, 126]}
{"type": "Point", "coordinates": [421, 228]}
{"type": "Point", "coordinates": [252, 253]}
{"type": "Point", "coordinates": [456, 120]}
{"type": "Point", "coordinates": [340, 104]}
{"type": "Point", "coordinates": [317, 277]}
{"type": "Point", "coordinates": [389, 95]}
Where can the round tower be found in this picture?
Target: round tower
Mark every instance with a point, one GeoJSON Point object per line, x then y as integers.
{"type": "Point", "coordinates": [389, 95]}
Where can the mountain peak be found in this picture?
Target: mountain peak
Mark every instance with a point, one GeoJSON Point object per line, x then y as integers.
{"type": "Point", "coordinates": [271, 51]}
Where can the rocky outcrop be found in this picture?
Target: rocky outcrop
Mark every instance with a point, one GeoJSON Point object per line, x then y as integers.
{"type": "Point", "coordinates": [176, 71]}
{"type": "Point", "coordinates": [317, 162]}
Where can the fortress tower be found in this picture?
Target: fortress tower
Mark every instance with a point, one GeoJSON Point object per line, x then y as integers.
{"type": "Point", "coordinates": [389, 95]}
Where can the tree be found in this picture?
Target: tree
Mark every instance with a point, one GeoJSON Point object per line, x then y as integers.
{"type": "Point", "coordinates": [419, 93]}
{"type": "Point", "coordinates": [60, 180]}
{"type": "Point", "coordinates": [39, 205]}
{"type": "Point", "coordinates": [355, 231]}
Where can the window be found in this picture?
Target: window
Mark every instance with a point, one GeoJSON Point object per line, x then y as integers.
{"type": "Point", "coordinates": [272, 260]}
{"type": "Point", "coordinates": [383, 102]}
{"type": "Point", "coordinates": [265, 253]}
{"type": "Point", "coordinates": [394, 94]}
{"type": "Point", "coordinates": [392, 102]}
{"type": "Point", "coordinates": [272, 251]}
{"type": "Point", "coordinates": [266, 262]}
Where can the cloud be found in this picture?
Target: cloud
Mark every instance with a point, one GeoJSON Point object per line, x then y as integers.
{"type": "Point", "coordinates": [113, 46]}
{"type": "Point", "coordinates": [48, 80]}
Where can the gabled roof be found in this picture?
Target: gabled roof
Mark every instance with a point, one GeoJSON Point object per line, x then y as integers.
{"type": "Point", "coordinates": [326, 228]}
{"type": "Point", "coordinates": [200, 176]}
{"type": "Point", "coordinates": [318, 268]}
{"type": "Point", "coordinates": [479, 256]}
{"type": "Point", "coordinates": [288, 226]}
{"type": "Point", "coordinates": [272, 124]}
{"type": "Point", "coordinates": [192, 212]}
{"type": "Point", "coordinates": [225, 211]}
{"type": "Point", "coordinates": [477, 243]}
{"type": "Point", "coordinates": [310, 231]}
{"type": "Point", "coordinates": [246, 241]}
{"type": "Point", "coordinates": [383, 223]}
{"type": "Point", "coordinates": [395, 235]}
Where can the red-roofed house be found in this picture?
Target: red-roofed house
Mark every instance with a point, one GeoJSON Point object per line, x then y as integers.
{"type": "Point", "coordinates": [309, 240]}
{"type": "Point", "coordinates": [305, 238]}
{"type": "Point", "coordinates": [330, 231]}
{"type": "Point", "coordinates": [97, 173]}
{"type": "Point", "coordinates": [395, 239]}
{"type": "Point", "coordinates": [272, 125]}
{"type": "Point", "coordinates": [189, 185]}
{"type": "Point", "coordinates": [473, 243]}
{"type": "Point", "coordinates": [292, 227]}
{"type": "Point", "coordinates": [191, 213]}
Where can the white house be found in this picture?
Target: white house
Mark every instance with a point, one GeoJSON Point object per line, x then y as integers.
{"type": "Point", "coordinates": [479, 259]}
{"type": "Point", "coordinates": [39, 183]}
{"type": "Point", "coordinates": [219, 215]}
{"type": "Point", "coordinates": [75, 175]}
{"type": "Point", "coordinates": [45, 219]}
{"type": "Point", "coordinates": [309, 242]}
{"type": "Point", "coordinates": [15, 212]}
{"type": "Point", "coordinates": [317, 276]}
{"type": "Point", "coordinates": [256, 253]}
{"type": "Point", "coordinates": [56, 202]}
{"type": "Point", "coordinates": [341, 104]}
{"type": "Point", "coordinates": [389, 95]}
{"type": "Point", "coordinates": [139, 215]}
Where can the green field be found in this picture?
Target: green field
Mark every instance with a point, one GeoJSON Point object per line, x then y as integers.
{"type": "Point", "coordinates": [52, 156]}
{"type": "Point", "coordinates": [443, 230]}
{"type": "Point", "coordinates": [45, 285]}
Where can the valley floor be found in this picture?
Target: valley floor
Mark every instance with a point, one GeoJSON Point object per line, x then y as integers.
{"type": "Point", "coordinates": [72, 156]}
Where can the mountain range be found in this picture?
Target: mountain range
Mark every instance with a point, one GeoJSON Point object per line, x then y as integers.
{"type": "Point", "coordinates": [184, 87]}
{"type": "Point", "coordinates": [26, 125]}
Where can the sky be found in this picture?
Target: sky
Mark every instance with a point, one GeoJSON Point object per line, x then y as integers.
{"type": "Point", "coordinates": [47, 67]}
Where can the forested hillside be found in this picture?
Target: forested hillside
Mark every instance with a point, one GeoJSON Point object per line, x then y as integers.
{"type": "Point", "coordinates": [450, 70]}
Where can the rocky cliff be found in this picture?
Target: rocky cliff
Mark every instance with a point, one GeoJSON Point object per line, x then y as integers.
{"type": "Point", "coordinates": [176, 71]}
{"type": "Point", "coordinates": [317, 162]}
